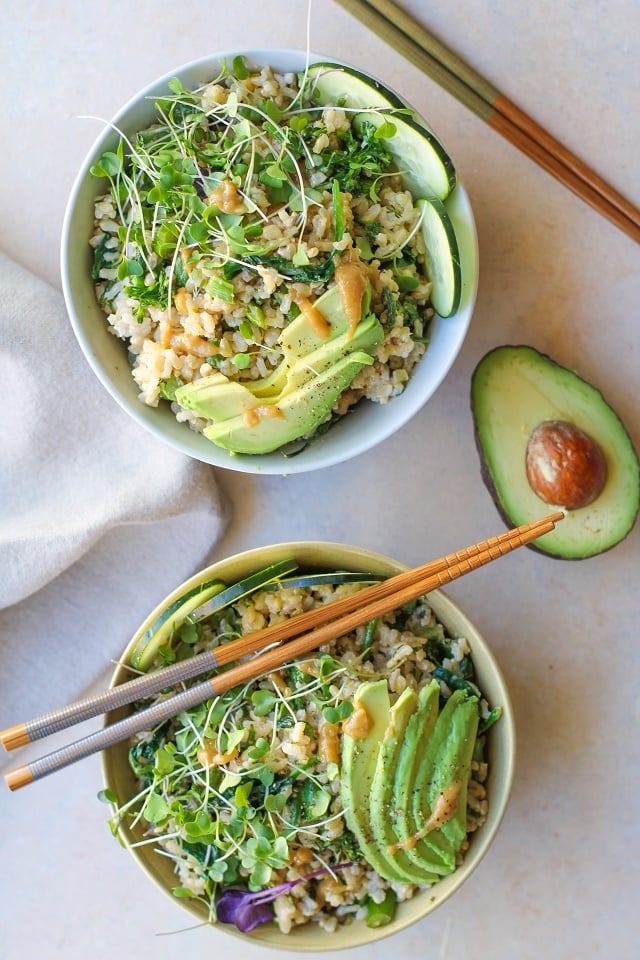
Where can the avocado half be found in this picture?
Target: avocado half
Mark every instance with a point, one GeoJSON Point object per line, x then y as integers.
{"type": "Point", "coordinates": [513, 390]}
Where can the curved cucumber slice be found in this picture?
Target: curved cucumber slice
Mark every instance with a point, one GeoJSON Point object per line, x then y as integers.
{"type": "Point", "coordinates": [323, 579]}
{"type": "Point", "coordinates": [424, 166]}
{"type": "Point", "coordinates": [164, 625]}
{"type": "Point", "coordinates": [237, 590]}
{"type": "Point", "coordinates": [335, 84]}
{"type": "Point", "coordinates": [442, 256]}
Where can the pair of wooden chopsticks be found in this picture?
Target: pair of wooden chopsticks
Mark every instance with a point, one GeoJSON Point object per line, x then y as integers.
{"type": "Point", "coordinates": [302, 634]}
{"type": "Point", "coordinates": [421, 48]}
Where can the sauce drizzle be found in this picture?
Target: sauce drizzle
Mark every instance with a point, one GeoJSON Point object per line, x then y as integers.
{"type": "Point", "coordinates": [444, 808]}
{"type": "Point", "coordinates": [317, 322]}
{"type": "Point", "coordinates": [352, 282]}
{"type": "Point", "coordinates": [226, 198]}
{"type": "Point", "coordinates": [252, 417]}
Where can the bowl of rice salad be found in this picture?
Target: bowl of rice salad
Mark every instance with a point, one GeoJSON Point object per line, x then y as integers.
{"type": "Point", "coordinates": [269, 273]}
{"type": "Point", "coordinates": [253, 811]}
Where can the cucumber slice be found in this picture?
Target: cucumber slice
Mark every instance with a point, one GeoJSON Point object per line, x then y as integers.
{"type": "Point", "coordinates": [173, 616]}
{"type": "Point", "coordinates": [237, 590]}
{"type": "Point", "coordinates": [323, 579]}
{"type": "Point", "coordinates": [425, 168]}
{"type": "Point", "coordinates": [442, 256]}
{"type": "Point", "coordinates": [334, 84]}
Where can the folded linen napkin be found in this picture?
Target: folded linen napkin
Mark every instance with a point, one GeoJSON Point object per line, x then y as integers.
{"type": "Point", "coordinates": [98, 518]}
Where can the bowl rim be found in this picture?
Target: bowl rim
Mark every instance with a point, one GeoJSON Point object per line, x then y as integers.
{"type": "Point", "coordinates": [343, 442]}
{"type": "Point", "coordinates": [453, 616]}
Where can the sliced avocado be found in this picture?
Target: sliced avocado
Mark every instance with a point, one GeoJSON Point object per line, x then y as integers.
{"type": "Point", "coordinates": [381, 794]}
{"type": "Point", "coordinates": [444, 764]}
{"type": "Point", "coordinates": [514, 389]}
{"type": "Point", "coordinates": [425, 732]}
{"type": "Point", "coordinates": [359, 760]}
{"type": "Point", "coordinates": [273, 384]}
{"type": "Point", "coordinates": [366, 338]}
{"type": "Point", "coordinates": [218, 398]}
{"type": "Point", "coordinates": [215, 396]}
{"type": "Point", "coordinates": [300, 338]}
{"type": "Point", "coordinates": [298, 412]}
{"type": "Point", "coordinates": [451, 771]}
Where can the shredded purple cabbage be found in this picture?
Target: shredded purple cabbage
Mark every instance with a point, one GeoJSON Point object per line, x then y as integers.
{"type": "Point", "coordinates": [249, 909]}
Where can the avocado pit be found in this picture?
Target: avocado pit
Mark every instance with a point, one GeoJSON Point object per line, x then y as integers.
{"type": "Point", "coordinates": [565, 466]}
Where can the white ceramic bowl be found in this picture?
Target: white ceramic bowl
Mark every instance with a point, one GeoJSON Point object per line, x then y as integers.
{"type": "Point", "coordinates": [367, 426]}
{"type": "Point", "coordinates": [316, 555]}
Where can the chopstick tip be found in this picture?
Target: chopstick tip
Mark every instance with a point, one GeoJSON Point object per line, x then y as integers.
{"type": "Point", "coordinates": [14, 737]}
{"type": "Point", "coordinates": [20, 777]}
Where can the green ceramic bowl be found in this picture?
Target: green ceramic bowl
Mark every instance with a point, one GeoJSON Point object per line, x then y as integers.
{"type": "Point", "coordinates": [319, 555]}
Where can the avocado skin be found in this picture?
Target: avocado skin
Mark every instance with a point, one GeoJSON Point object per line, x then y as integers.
{"type": "Point", "coordinates": [555, 544]}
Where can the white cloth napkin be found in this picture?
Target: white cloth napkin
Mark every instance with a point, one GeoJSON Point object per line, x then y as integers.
{"type": "Point", "coordinates": [98, 518]}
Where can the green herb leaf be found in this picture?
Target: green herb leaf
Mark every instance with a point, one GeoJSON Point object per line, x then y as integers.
{"type": "Point", "coordinates": [256, 315]}
{"type": "Point", "coordinates": [129, 268]}
{"type": "Point", "coordinates": [165, 761]}
{"type": "Point", "coordinates": [242, 794]}
{"type": "Point", "coordinates": [489, 721]}
{"type": "Point", "coordinates": [107, 796]}
{"type": "Point", "coordinates": [167, 391]}
{"type": "Point", "coordinates": [100, 254]}
{"type": "Point", "coordinates": [263, 702]}
{"type": "Point", "coordinates": [273, 111]}
{"type": "Point", "coordinates": [364, 248]}
{"type": "Point", "coordinates": [338, 213]}
{"type": "Point", "coordinates": [223, 289]}
{"type": "Point", "coordinates": [406, 283]}
{"type": "Point", "coordinates": [183, 893]}
{"type": "Point", "coordinates": [260, 749]}
{"type": "Point", "coordinates": [241, 360]}
{"type": "Point", "coordinates": [156, 810]}
{"type": "Point", "coordinates": [299, 121]}
{"type": "Point", "coordinates": [109, 165]}
{"type": "Point", "coordinates": [176, 86]}
{"type": "Point", "coordinates": [275, 802]}
{"type": "Point", "coordinates": [386, 130]}
{"type": "Point", "coordinates": [229, 781]}
{"type": "Point", "coordinates": [239, 68]}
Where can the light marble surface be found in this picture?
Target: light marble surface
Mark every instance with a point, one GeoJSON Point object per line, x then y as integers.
{"type": "Point", "coordinates": [562, 878]}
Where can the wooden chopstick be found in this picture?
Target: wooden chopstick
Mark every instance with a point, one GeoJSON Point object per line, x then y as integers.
{"type": "Point", "coordinates": [145, 686]}
{"type": "Point", "coordinates": [421, 48]}
{"type": "Point", "coordinates": [413, 584]}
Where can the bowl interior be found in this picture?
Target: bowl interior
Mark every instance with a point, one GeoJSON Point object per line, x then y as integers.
{"type": "Point", "coordinates": [366, 426]}
{"type": "Point", "coordinates": [501, 748]}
